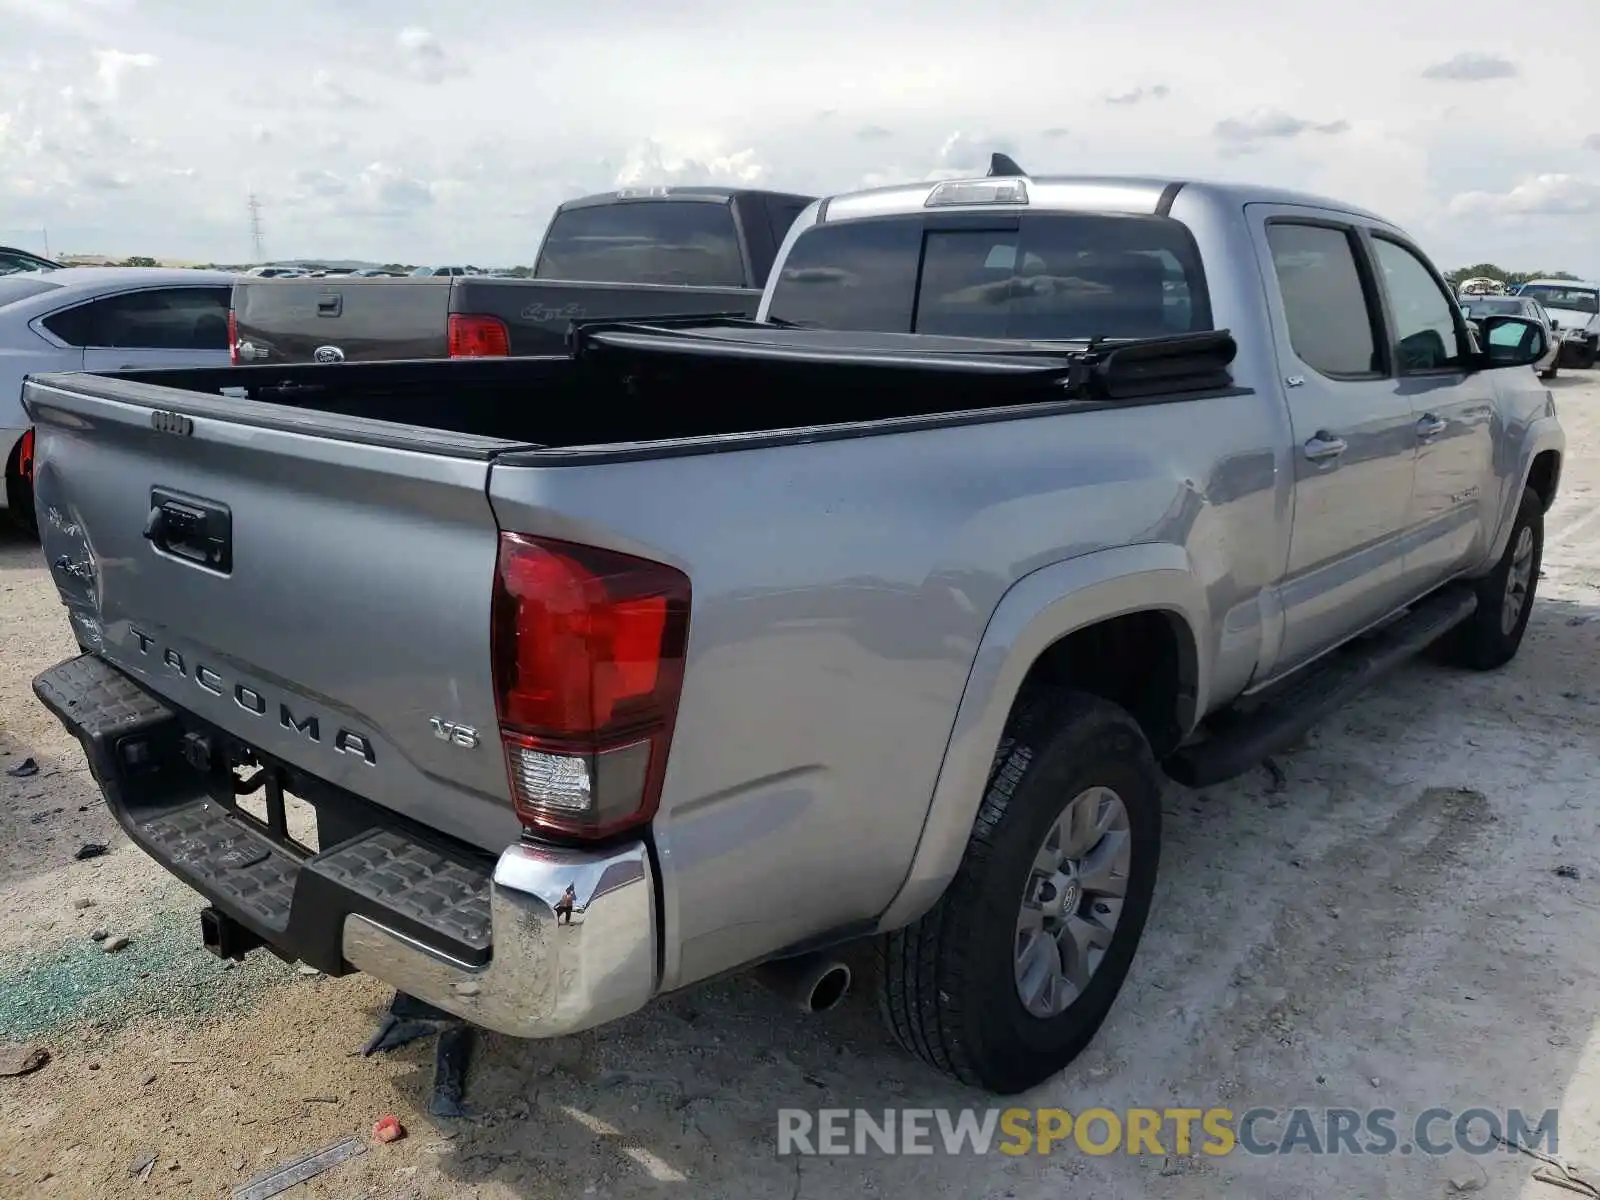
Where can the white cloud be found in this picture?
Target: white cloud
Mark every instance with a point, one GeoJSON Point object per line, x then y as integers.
{"type": "Point", "coordinates": [424, 58]}
{"type": "Point", "coordinates": [114, 65]}
{"type": "Point", "coordinates": [1541, 196]}
{"type": "Point", "coordinates": [1273, 123]}
{"type": "Point", "coordinates": [692, 160]}
{"type": "Point", "coordinates": [1469, 67]}
{"type": "Point", "coordinates": [328, 92]}
{"type": "Point", "coordinates": [377, 131]}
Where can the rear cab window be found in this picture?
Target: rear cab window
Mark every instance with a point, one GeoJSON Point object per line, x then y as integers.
{"type": "Point", "coordinates": [693, 242]}
{"type": "Point", "coordinates": [1041, 276]}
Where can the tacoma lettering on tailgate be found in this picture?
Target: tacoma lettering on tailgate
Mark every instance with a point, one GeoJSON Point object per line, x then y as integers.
{"type": "Point", "coordinates": [253, 701]}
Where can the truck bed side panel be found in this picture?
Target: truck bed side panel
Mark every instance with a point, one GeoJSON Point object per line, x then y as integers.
{"type": "Point", "coordinates": [356, 608]}
{"type": "Point", "coordinates": [841, 589]}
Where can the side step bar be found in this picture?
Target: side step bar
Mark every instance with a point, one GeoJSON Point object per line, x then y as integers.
{"type": "Point", "coordinates": [1281, 716]}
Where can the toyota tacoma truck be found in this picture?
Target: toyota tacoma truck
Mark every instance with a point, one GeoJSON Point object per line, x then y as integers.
{"type": "Point", "coordinates": [637, 252]}
{"type": "Point", "coordinates": [883, 616]}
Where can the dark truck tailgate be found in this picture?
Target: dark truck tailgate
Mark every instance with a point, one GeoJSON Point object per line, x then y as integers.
{"type": "Point", "coordinates": [321, 596]}
{"type": "Point", "coordinates": [537, 313]}
{"type": "Point", "coordinates": [346, 320]}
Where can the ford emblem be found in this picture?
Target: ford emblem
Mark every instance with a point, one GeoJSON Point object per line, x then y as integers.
{"type": "Point", "coordinates": [328, 354]}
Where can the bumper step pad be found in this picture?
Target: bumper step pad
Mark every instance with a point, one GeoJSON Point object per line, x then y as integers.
{"type": "Point", "coordinates": [297, 904]}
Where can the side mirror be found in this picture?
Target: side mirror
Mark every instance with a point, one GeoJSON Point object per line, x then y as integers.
{"type": "Point", "coordinates": [1512, 341]}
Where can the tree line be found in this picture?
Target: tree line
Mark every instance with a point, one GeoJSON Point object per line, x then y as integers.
{"type": "Point", "coordinates": [1510, 278]}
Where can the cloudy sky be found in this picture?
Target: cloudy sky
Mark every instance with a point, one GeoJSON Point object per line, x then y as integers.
{"type": "Point", "coordinates": [428, 131]}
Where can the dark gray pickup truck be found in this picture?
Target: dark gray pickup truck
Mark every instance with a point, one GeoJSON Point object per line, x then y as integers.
{"type": "Point", "coordinates": [642, 252]}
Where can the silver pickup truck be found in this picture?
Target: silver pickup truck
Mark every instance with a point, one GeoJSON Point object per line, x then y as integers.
{"type": "Point", "coordinates": [722, 645]}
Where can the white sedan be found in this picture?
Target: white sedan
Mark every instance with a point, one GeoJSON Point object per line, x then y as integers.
{"type": "Point", "coordinates": [98, 319]}
{"type": "Point", "coordinates": [1478, 307]}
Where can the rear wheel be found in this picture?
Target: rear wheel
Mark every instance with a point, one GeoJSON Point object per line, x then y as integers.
{"type": "Point", "coordinates": [1006, 980]}
{"type": "Point", "coordinates": [1586, 356]}
{"type": "Point", "coordinates": [1491, 637]}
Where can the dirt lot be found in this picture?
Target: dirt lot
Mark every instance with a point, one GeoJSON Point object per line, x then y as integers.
{"type": "Point", "coordinates": [1408, 921]}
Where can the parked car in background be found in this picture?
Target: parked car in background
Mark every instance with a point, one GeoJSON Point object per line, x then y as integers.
{"type": "Point", "coordinates": [1482, 286]}
{"type": "Point", "coordinates": [277, 272]}
{"type": "Point", "coordinates": [1574, 308]}
{"type": "Point", "coordinates": [647, 252]}
{"type": "Point", "coordinates": [1478, 307]}
{"type": "Point", "coordinates": [98, 319]}
{"type": "Point", "coordinates": [14, 261]}
{"type": "Point", "coordinates": [434, 272]}
{"type": "Point", "coordinates": [871, 619]}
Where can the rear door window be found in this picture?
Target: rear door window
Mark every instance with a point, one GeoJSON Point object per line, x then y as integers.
{"type": "Point", "coordinates": [1057, 276]}
{"type": "Point", "coordinates": [1333, 327]}
{"type": "Point", "coordinates": [691, 242]}
{"type": "Point", "coordinates": [178, 318]}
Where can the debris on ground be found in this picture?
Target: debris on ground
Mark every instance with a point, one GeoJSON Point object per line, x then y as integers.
{"type": "Point", "coordinates": [1279, 780]}
{"type": "Point", "coordinates": [22, 1060]}
{"type": "Point", "coordinates": [450, 1071]}
{"type": "Point", "coordinates": [1567, 871]}
{"type": "Point", "coordinates": [388, 1129]}
{"type": "Point", "coordinates": [118, 943]}
{"type": "Point", "coordinates": [143, 1166]}
{"type": "Point", "coordinates": [82, 903]}
{"type": "Point", "coordinates": [27, 767]}
{"type": "Point", "coordinates": [99, 935]}
{"type": "Point", "coordinates": [308, 969]}
{"type": "Point", "coordinates": [91, 850]}
{"type": "Point", "coordinates": [298, 1170]}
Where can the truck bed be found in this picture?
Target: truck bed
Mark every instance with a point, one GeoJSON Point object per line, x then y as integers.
{"type": "Point", "coordinates": [643, 385]}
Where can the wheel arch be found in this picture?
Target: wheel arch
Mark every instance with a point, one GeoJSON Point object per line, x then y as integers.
{"type": "Point", "coordinates": [1046, 628]}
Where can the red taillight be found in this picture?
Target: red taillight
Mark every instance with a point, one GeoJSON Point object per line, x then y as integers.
{"type": "Point", "coordinates": [588, 649]}
{"type": "Point", "coordinates": [25, 456]}
{"type": "Point", "coordinates": [478, 337]}
{"type": "Point", "coordinates": [233, 338]}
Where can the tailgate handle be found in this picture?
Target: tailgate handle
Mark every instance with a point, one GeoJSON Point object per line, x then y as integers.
{"type": "Point", "coordinates": [188, 527]}
{"type": "Point", "coordinates": [329, 305]}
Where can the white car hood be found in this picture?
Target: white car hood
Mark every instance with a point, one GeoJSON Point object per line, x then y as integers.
{"type": "Point", "coordinates": [1570, 318]}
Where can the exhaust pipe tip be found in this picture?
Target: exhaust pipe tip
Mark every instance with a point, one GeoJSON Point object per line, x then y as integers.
{"type": "Point", "coordinates": [830, 988]}
{"type": "Point", "coordinates": [813, 983]}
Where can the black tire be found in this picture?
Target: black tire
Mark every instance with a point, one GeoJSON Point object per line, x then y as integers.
{"type": "Point", "coordinates": [1586, 357]}
{"type": "Point", "coordinates": [947, 982]}
{"type": "Point", "coordinates": [1555, 368]}
{"type": "Point", "coordinates": [1482, 642]}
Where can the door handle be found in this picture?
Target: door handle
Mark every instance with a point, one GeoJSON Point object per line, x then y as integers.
{"type": "Point", "coordinates": [1430, 426]}
{"type": "Point", "coordinates": [1324, 446]}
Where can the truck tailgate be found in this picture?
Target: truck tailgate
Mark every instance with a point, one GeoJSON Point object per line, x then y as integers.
{"type": "Point", "coordinates": [344, 600]}
{"type": "Point", "coordinates": [538, 312]}
{"type": "Point", "coordinates": [350, 320]}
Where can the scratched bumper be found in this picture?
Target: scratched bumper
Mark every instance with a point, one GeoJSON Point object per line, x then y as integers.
{"type": "Point", "coordinates": [548, 976]}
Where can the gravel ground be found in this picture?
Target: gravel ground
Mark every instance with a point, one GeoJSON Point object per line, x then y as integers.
{"type": "Point", "coordinates": [1407, 920]}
